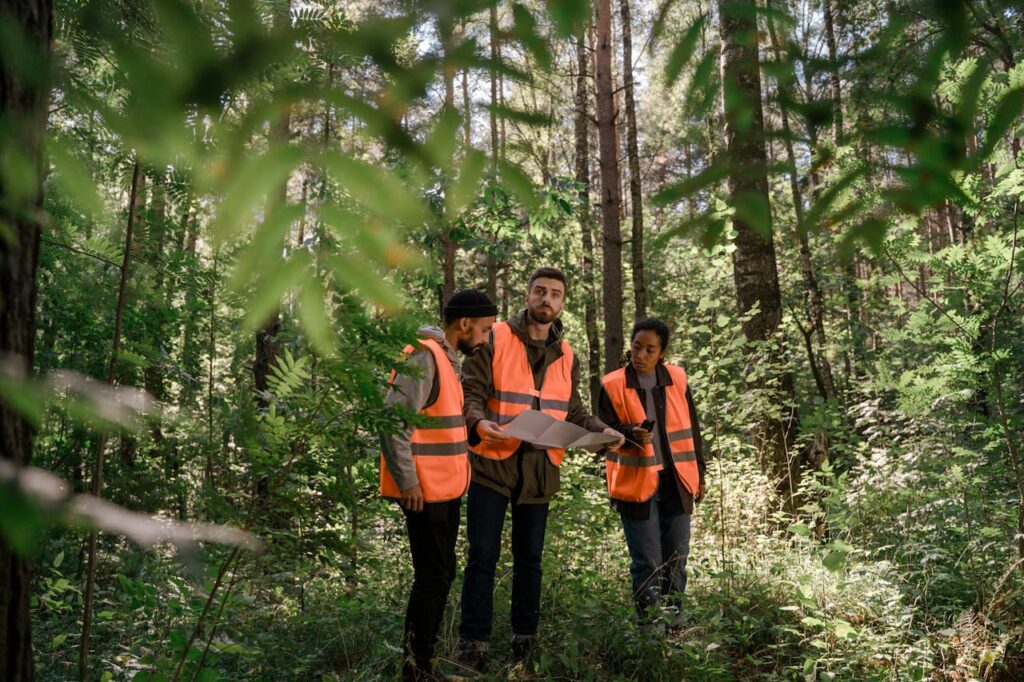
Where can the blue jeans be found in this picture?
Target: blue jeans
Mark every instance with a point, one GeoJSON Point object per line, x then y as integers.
{"type": "Point", "coordinates": [659, 546]}
{"type": "Point", "coordinates": [485, 518]}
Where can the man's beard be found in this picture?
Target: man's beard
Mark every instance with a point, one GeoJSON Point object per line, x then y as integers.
{"type": "Point", "coordinates": [542, 316]}
{"type": "Point", "coordinates": [468, 349]}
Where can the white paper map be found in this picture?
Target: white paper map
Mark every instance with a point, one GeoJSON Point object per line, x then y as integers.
{"type": "Point", "coordinates": [545, 431]}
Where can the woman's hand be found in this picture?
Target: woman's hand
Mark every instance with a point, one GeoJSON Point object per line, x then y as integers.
{"type": "Point", "coordinates": [642, 436]}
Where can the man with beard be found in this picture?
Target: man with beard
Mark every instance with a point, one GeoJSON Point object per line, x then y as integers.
{"type": "Point", "coordinates": [527, 364]}
{"type": "Point", "coordinates": [425, 465]}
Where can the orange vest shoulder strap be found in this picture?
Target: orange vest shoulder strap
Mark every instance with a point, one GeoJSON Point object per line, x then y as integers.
{"type": "Point", "coordinates": [678, 375]}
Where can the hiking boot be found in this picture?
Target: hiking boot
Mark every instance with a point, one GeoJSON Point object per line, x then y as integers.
{"type": "Point", "coordinates": [524, 650]}
{"type": "Point", "coordinates": [472, 655]}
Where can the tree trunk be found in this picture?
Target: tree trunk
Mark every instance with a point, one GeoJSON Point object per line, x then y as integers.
{"type": "Point", "coordinates": [467, 113]}
{"type": "Point", "coordinates": [492, 260]}
{"type": "Point", "coordinates": [96, 485]}
{"type": "Point", "coordinates": [754, 265]}
{"type": "Point", "coordinates": [820, 366]}
{"type": "Point", "coordinates": [633, 155]}
{"type": "Point", "coordinates": [448, 264]}
{"type": "Point", "coordinates": [24, 106]}
{"type": "Point", "coordinates": [266, 338]}
{"type": "Point", "coordinates": [190, 346]}
{"type": "Point", "coordinates": [583, 180]}
{"type": "Point", "coordinates": [833, 73]}
{"type": "Point", "coordinates": [611, 200]}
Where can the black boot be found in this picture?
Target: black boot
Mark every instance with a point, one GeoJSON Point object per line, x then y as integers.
{"type": "Point", "coordinates": [473, 655]}
{"type": "Point", "coordinates": [524, 649]}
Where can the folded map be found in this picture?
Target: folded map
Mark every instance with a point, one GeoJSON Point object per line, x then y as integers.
{"type": "Point", "coordinates": [542, 430]}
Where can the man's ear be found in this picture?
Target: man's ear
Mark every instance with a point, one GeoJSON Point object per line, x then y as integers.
{"type": "Point", "coordinates": [464, 324]}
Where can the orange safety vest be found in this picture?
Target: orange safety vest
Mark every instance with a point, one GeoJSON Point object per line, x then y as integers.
{"type": "Point", "coordinates": [439, 446]}
{"type": "Point", "coordinates": [633, 471]}
{"type": "Point", "coordinates": [514, 391]}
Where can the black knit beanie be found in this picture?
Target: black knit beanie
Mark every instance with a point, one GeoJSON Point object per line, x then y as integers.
{"type": "Point", "coordinates": [469, 303]}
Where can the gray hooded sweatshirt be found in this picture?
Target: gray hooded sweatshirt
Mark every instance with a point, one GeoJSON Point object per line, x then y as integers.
{"type": "Point", "coordinates": [413, 391]}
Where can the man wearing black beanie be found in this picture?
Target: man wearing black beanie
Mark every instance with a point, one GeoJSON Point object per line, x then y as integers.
{"type": "Point", "coordinates": [425, 466]}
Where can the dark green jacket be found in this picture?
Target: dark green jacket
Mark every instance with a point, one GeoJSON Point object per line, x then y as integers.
{"type": "Point", "coordinates": [527, 477]}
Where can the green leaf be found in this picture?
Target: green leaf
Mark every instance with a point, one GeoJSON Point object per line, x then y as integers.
{"type": "Point", "coordinates": [843, 629]}
{"type": "Point", "coordinates": [374, 240]}
{"type": "Point", "coordinates": [752, 208]}
{"type": "Point", "coordinates": [249, 184]}
{"type": "Point", "coordinates": [267, 245]}
{"type": "Point", "coordinates": [462, 191]}
{"type": "Point", "coordinates": [357, 274]}
{"type": "Point", "coordinates": [208, 675]}
{"type": "Point", "coordinates": [21, 522]}
{"type": "Point", "coordinates": [967, 107]}
{"type": "Point", "coordinates": [828, 197]}
{"type": "Point", "coordinates": [74, 177]}
{"type": "Point", "coordinates": [525, 29]}
{"type": "Point", "coordinates": [376, 189]}
{"type": "Point", "coordinates": [271, 288]}
{"type": "Point", "coordinates": [313, 316]}
{"type": "Point", "coordinates": [683, 50]}
{"type": "Point", "coordinates": [59, 559]}
{"type": "Point", "coordinates": [834, 561]}
{"type": "Point", "coordinates": [443, 139]}
{"type": "Point", "coordinates": [518, 183]}
{"type": "Point", "coordinates": [530, 118]}
{"type": "Point", "coordinates": [25, 396]}
{"type": "Point", "coordinates": [711, 175]}
{"type": "Point", "coordinates": [568, 16]}
{"type": "Point", "coordinates": [1007, 112]}
{"type": "Point", "coordinates": [801, 529]}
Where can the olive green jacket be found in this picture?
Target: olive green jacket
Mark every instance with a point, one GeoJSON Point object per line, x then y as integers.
{"type": "Point", "coordinates": [527, 477]}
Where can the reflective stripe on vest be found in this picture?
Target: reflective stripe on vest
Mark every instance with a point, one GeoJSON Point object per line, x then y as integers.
{"type": "Point", "coordinates": [632, 471]}
{"type": "Point", "coordinates": [439, 448]}
{"type": "Point", "coordinates": [513, 391]}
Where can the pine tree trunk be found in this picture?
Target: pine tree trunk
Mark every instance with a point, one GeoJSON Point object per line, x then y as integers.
{"type": "Point", "coordinates": [96, 485]}
{"type": "Point", "coordinates": [833, 73]}
{"type": "Point", "coordinates": [633, 155]}
{"type": "Point", "coordinates": [611, 201]}
{"type": "Point", "coordinates": [190, 346]}
{"type": "Point", "coordinates": [24, 106]}
{"type": "Point", "coordinates": [492, 260]}
{"type": "Point", "coordinates": [583, 180]}
{"type": "Point", "coordinates": [467, 113]}
{"type": "Point", "coordinates": [754, 266]}
{"type": "Point", "coordinates": [448, 244]}
{"type": "Point", "coordinates": [266, 338]}
{"type": "Point", "coordinates": [820, 367]}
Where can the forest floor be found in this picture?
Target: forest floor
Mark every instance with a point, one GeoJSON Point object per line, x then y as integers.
{"type": "Point", "coordinates": [891, 591]}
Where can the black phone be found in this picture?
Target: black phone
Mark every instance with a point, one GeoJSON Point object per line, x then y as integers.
{"type": "Point", "coordinates": [647, 424]}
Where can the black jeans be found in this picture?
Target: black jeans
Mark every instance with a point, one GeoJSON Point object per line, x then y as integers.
{"type": "Point", "coordinates": [485, 518]}
{"type": "Point", "coordinates": [432, 535]}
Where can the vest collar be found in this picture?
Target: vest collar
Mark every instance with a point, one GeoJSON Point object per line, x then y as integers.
{"type": "Point", "coordinates": [518, 324]}
{"type": "Point", "coordinates": [662, 374]}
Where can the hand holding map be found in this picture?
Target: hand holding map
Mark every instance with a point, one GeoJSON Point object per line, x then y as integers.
{"type": "Point", "coordinates": [544, 431]}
